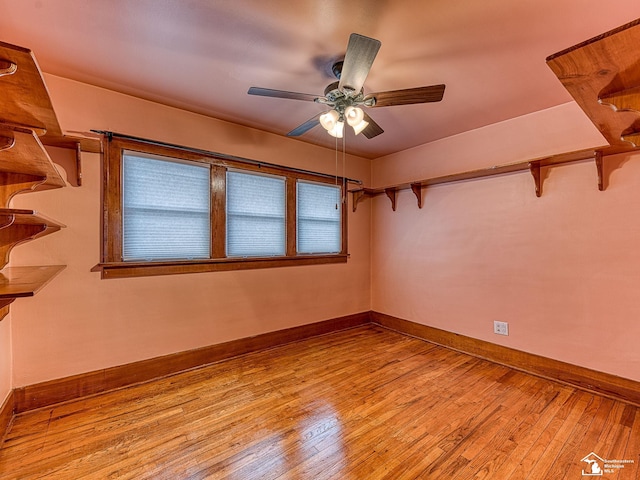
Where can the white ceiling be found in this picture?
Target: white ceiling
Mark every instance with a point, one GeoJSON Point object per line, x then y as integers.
{"type": "Point", "coordinates": [203, 55]}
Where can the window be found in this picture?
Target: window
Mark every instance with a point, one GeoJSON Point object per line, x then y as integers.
{"type": "Point", "coordinates": [256, 210]}
{"type": "Point", "coordinates": [319, 215]}
{"type": "Point", "coordinates": [170, 209]}
{"type": "Point", "coordinates": [165, 208]}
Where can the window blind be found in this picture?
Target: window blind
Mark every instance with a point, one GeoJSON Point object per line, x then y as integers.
{"type": "Point", "coordinates": [319, 208]}
{"type": "Point", "coordinates": [256, 215]}
{"type": "Point", "coordinates": [165, 209]}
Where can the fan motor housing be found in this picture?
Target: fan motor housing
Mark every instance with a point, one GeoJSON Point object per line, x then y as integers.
{"type": "Point", "coordinates": [331, 88]}
{"type": "Point", "coordinates": [336, 69]}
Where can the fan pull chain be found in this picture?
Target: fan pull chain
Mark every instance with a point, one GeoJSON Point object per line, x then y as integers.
{"type": "Point", "coordinates": [336, 178]}
{"type": "Point", "coordinates": [344, 167]}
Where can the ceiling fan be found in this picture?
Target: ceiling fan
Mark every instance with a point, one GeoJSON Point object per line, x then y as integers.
{"type": "Point", "coordinates": [346, 96]}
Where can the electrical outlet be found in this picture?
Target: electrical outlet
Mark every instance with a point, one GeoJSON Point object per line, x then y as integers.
{"type": "Point", "coordinates": [500, 328]}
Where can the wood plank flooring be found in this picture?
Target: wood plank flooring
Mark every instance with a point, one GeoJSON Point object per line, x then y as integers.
{"type": "Point", "coordinates": [365, 403]}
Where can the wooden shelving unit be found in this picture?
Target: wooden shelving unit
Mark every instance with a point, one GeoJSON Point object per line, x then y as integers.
{"type": "Point", "coordinates": [27, 119]}
{"type": "Point", "coordinates": [25, 104]}
{"type": "Point", "coordinates": [532, 166]}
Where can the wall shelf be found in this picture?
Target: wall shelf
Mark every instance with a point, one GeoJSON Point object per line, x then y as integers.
{"type": "Point", "coordinates": [25, 103]}
{"type": "Point", "coordinates": [18, 175]}
{"type": "Point", "coordinates": [533, 166]}
{"type": "Point", "coordinates": [18, 226]}
{"type": "Point", "coordinates": [603, 76]}
{"type": "Point", "coordinates": [26, 119]}
{"type": "Point", "coordinates": [21, 80]}
{"type": "Point", "coordinates": [21, 282]}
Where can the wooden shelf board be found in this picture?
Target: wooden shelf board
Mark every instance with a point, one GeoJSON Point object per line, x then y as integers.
{"type": "Point", "coordinates": [29, 217]}
{"type": "Point", "coordinates": [19, 282]}
{"type": "Point", "coordinates": [601, 75]}
{"type": "Point", "coordinates": [87, 144]}
{"type": "Point", "coordinates": [27, 156]}
{"type": "Point", "coordinates": [72, 164]}
{"type": "Point", "coordinates": [25, 99]}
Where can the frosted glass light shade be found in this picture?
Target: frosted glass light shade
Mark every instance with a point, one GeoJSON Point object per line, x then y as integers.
{"type": "Point", "coordinates": [329, 120]}
{"type": "Point", "coordinates": [360, 127]}
{"type": "Point", "coordinates": [354, 115]}
{"type": "Point", "coordinates": [337, 130]}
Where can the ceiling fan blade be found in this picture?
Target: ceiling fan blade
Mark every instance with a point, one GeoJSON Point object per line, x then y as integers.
{"type": "Point", "coordinates": [408, 96]}
{"type": "Point", "coordinates": [306, 126]}
{"type": "Point", "coordinates": [268, 92]}
{"type": "Point", "coordinates": [373, 129]}
{"type": "Point", "coordinates": [361, 52]}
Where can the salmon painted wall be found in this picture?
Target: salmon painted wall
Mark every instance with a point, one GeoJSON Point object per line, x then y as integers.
{"type": "Point", "coordinates": [80, 323]}
{"type": "Point", "coordinates": [563, 270]}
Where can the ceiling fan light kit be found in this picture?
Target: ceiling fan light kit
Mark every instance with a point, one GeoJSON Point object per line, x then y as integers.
{"type": "Point", "coordinates": [333, 121]}
{"type": "Point", "coordinates": [346, 96]}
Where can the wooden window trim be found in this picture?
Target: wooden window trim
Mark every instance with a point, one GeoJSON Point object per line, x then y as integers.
{"type": "Point", "coordinates": [112, 265]}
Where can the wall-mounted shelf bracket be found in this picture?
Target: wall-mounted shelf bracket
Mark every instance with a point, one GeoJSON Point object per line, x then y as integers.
{"type": "Point", "coordinates": [534, 168]}
{"type": "Point", "coordinates": [599, 168]}
{"type": "Point", "coordinates": [78, 164]}
{"type": "Point", "coordinates": [416, 188]}
{"type": "Point", "coordinates": [4, 307]}
{"type": "Point", "coordinates": [357, 196]}
{"type": "Point", "coordinates": [392, 194]}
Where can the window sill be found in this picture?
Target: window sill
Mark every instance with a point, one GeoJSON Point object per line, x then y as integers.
{"type": "Point", "coordinates": [146, 269]}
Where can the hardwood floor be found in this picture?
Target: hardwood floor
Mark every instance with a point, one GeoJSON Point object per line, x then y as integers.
{"type": "Point", "coordinates": [365, 403]}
